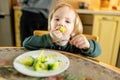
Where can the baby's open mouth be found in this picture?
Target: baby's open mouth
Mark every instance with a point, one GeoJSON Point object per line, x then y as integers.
{"type": "Point", "coordinates": [58, 39]}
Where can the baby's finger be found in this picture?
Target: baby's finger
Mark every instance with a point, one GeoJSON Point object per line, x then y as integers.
{"type": "Point", "coordinates": [79, 43]}
{"type": "Point", "coordinates": [76, 40]}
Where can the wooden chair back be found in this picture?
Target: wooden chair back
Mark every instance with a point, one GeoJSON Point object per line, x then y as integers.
{"type": "Point", "coordinates": [42, 32]}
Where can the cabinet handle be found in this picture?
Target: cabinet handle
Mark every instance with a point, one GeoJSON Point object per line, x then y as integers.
{"type": "Point", "coordinates": [108, 18]}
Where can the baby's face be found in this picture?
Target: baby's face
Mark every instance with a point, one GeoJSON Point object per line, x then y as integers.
{"type": "Point", "coordinates": [65, 17]}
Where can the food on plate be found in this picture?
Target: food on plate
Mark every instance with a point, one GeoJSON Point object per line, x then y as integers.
{"type": "Point", "coordinates": [27, 61]}
{"type": "Point", "coordinates": [62, 29]}
{"type": "Point", "coordinates": [39, 63]}
{"type": "Point", "coordinates": [53, 66]}
{"type": "Point", "coordinates": [42, 62]}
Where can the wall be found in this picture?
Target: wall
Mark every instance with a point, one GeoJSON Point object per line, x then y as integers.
{"type": "Point", "coordinates": [93, 4]}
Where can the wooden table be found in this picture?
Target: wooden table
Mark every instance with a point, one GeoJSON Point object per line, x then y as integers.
{"type": "Point", "coordinates": [80, 68]}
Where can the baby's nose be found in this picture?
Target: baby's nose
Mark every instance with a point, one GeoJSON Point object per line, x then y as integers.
{"type": "Point", "coordinates": [60, 24]}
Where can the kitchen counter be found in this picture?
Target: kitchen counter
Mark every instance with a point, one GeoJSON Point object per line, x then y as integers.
{"type": "Point", "coordinates": [116, 13]}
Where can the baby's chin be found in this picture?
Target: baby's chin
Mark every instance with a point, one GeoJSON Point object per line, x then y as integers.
{"type": "Point", "coordinates": [62, 43]}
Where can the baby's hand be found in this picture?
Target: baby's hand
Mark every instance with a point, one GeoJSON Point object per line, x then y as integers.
{"type": "Point", "coordinates": [80, 41]}
{"type": "Point", "coordinates": [55, 35]}
{"type": "Point", "coordinates": [58, 34]}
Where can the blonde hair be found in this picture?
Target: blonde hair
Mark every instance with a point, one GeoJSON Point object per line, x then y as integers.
{"type": "Point", "coordinates": [77, 24]}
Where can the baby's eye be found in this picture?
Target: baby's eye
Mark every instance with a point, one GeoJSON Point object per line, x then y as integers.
{"type": "Point", "coordinates": [57, 19]}
{"type": "Point", "coordinates": [67, 21]}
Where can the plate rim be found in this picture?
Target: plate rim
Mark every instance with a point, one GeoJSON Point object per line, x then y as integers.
{"type": "Point", "coordinates": [55, 52]}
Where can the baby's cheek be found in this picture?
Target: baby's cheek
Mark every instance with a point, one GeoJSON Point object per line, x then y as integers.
{"type": "Point", "coordinates": [70, 29]}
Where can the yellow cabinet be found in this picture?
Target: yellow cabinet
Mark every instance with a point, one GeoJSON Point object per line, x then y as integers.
{"type": "Point", "coordinates": [107, 27]}
{"type": "Point", "coordinates": [17, 15]}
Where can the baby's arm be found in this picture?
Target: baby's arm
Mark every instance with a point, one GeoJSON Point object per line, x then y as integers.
{"type": "Point", "coordinates": [88, 47]}
{"type": "Point", "coordinates": [80, 41]}
{"type": "Point", "coordinates": [37, 42]}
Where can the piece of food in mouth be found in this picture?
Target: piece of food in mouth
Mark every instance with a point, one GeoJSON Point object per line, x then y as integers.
{"type": "Point", "coordinates": [62, 29]}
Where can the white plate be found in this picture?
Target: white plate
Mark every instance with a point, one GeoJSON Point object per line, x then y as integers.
{"type": "Point", "coordinates": [41, 73]}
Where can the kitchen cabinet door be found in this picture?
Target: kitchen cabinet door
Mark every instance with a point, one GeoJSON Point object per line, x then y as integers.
{"type": "Point", "coordinates": [107, 28]}
{"type": "Point", "coordinates": [17, 15]}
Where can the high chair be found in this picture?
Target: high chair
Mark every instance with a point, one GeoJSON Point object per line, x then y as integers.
{"type": "Point", "coordinates": [41, 32]}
